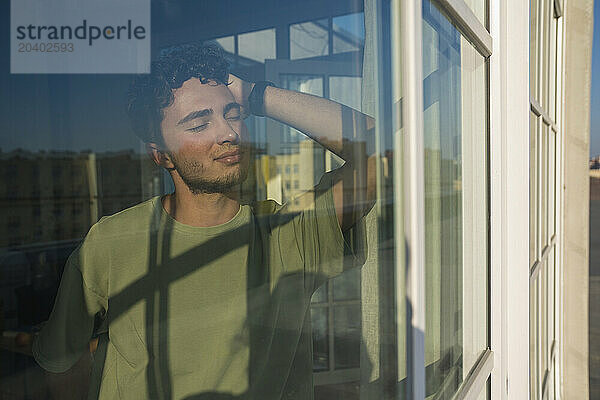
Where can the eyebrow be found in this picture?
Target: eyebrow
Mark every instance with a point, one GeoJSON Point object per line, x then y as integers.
{"type": "Point", "coordinates": [208, 111]}
{"type": "Point", "coordinates": [195, 114]}
{"type": "Point", "coordinates": [230, 107]}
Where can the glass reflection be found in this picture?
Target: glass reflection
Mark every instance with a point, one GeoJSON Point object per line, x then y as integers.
{"type": "Point", "coordinates": [258, 46]}
{"type": "Point", "coordinates": [346, 90]}
{"type": "Point", "coordinates": [348, 33]}
{"type": "Point", "coordinates": [347, 286]}
{"type": "Point", "coordinates": [320, 337]}
{"type": "Point", "coordinates": [533, 188]}
{"type": "Point", "coordinates": [455, 136]}
{"type": "Point", "coordinates": [227, 43]}
{"type": "Point", "coordinates": [69, 158]}
{"type": "Point", "coordinates": [479, 8]}
{"type": "Point", "coordinates": [320, 295]}
{"type": "Point", "coordinates": [347, 336]}
{"type": "Point", "coordinates": [309, 39]}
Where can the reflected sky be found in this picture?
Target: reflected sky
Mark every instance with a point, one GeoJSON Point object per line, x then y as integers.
{"type": "Point", "coordinates": [595, 95]}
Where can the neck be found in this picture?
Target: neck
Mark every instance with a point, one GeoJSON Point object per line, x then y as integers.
{"type": "Point", "coordinates": [202, 210]}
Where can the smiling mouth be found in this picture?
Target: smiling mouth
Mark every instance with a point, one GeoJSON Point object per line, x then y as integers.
{"type": "Point", "coordinates": [230, 157]}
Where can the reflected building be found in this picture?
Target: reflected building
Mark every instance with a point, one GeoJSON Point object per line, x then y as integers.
{"type": "Point", "coordinates": [57, 196]}
{"type": "Point", "coordinates": [47, 205]}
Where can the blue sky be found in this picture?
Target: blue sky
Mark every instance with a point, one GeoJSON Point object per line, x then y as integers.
{"type": "Point", "coordinates": [595, 95]}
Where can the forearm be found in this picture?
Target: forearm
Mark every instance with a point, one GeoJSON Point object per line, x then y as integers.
{"type": "Point", "coordinates": [335, 126]}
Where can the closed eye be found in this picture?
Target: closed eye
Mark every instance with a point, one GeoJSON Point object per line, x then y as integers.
{"type": "Point", "coordinates": [231, 112]}
{"type": "Point", "coordinates": [198, 128]}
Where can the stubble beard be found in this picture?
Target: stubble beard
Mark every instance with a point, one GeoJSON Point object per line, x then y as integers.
{"type": "Point", "coordinates": [192, 174]}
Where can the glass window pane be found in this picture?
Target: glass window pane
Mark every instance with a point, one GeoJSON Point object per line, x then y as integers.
{"type": "Point", "coordinates": [228, 43]}
{"type": "Point", "coordinates": [544, 186]}
{"type": "Point", "coordinates": [533, 188]}
{"type": "Point", "coordinates": [264, 261]}
{"type": "Point", "coordinates": [534, 364]}
{"type": "Point", "coordinates": [455, 136]}
{"type": "Point", "coordinates": [552, 183]}
{"type": "Point", "coordinates": [347, 286]}
{"type": "Point", "coordinates": [309, 39]}
{"type": "Point", "coordinates": [534, 7]}
{"type": "Point", "coordinates": [311, 84]}
{"type": "Point", "coordinates": [551, 321]}
{"type": "Point", "coordinates": [320, 338]}
{"type": "Point", "coordinates": [347, 336]}
{"type": "Point", "coordinates": [479, 9]}
{"type": "Point", "coordinates": [547, 12]}
{"type": "Point", "coordinates": [295, 148]}
{"type": "Point", "coordinates": [551, 386]}
{"type": "Point", "coordinates": [551, 296]}
{"type": "Point", "coordinates": [348, 33]}
{"type": "Point", "coordinates": [320, 295]}
{"type": "Point", "coordinates": [258, 46]}
{"type": "Point", "coordinates": [346, 90]}
{"type": "Point", "coordinates": [553, 68]}
{"type": "Point", "coordinates": [544, 350]}
{"type": "Point", "coordinates": [485, 392]}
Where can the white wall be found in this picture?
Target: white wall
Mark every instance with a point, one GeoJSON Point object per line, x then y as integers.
{"type": "Point", "coordinates": [576, 112]}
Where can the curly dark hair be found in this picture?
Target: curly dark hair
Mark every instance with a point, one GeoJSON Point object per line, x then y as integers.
{"type": "Point", "coordinates": [150, 94]}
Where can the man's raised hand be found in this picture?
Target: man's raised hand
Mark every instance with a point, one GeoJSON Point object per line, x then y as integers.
{"type": "Point", "coordinates": [240, 90]}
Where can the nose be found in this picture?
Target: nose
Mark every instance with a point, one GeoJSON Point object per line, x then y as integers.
{"type": "Point", "coordinates": [229, 134]}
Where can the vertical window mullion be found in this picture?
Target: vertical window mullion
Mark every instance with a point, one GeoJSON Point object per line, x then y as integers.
{"type": "Point", "coordinates": [413, 195]}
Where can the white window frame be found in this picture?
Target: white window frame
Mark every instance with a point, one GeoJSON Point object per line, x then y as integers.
{"type": "Point", "coordinates": [558, 349]}
{"type": "Point", "coordinates": [506, 362]}
{"type": "Point", "coordinates": [556, 240]}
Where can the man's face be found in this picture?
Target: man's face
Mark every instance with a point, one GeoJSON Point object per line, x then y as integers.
{"type": "Point", "coordinates": [206, 138]}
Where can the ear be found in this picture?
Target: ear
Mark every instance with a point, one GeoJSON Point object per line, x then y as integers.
{"type": "Point", "coordinates": [159, 156]}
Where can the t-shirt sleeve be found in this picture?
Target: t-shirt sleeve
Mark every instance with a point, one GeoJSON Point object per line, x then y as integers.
{"type": "Point", "coordinates": [82, 296]}
{"type": "Point", "coordinates": [327, 251]}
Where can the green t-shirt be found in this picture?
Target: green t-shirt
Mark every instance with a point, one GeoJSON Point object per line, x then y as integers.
{"type": "Point", "coordinates": [197, 313]}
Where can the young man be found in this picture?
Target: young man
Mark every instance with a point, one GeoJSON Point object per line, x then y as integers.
{"type": "Point", "coordinates": [194, 294]}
